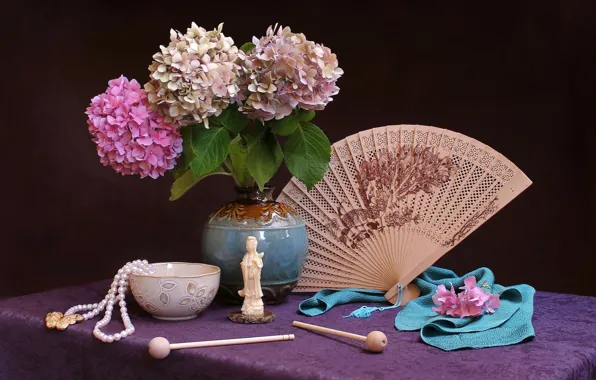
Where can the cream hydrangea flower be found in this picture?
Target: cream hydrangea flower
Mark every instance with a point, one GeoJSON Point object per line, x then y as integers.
{"type": "Point", "coordinates": [285, 71]}
{"type": "Point", "coordinates": [196, 75]}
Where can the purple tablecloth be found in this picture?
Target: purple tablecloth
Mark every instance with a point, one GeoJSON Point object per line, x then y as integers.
{"type": "Point", "coordinates": [564, 347]}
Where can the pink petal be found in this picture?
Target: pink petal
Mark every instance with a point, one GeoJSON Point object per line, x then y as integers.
{"type": "Point", "coordinates": [152, 159]}
{"type": "Point", "coordinates": [470, 283]}
{"type": "Point", "coordinates": [474, 310]}
{"type": "Point", "coordinates": [137, 152]}
{"type": "Point", "coordinates": [144, 165]}
{"type": "Point", "coordinates": [145, 141]}
{"type": "Point", "coordinates": [134, 130]}
{"type": "Point", "coordinates": [493, 302]}
{"type": "Point", "coordinates": [478, 296]}
{"type": "Point", "coordinates": [164, 142]}
{"type": "Point", "coordinates": [119, 147]}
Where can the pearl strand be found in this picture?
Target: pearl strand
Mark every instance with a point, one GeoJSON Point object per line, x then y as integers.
{"type": "Point", "coordinates": [117, 292]}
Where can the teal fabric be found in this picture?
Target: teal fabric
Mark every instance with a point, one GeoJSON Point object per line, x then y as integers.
{"type": "Point", "coordinates": [366, 311]}
{"type": "Point", "coordinates": [328, 298]}
{"type": "Point", "coordinates": [510, 324]}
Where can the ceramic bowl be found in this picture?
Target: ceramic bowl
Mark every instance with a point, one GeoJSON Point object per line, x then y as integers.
{"type": "Point", "coordinates": [176, 291]}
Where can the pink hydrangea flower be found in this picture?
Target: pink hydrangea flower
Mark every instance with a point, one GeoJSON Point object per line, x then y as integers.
{"type": "Point", "coordinates": [446, 301]}
{"type": "Point", "coordinates": [131, 138]}
{"type": "Point", "coordinates": [472, 302]}
{"type": "Point", "coordinates": [285, 71]}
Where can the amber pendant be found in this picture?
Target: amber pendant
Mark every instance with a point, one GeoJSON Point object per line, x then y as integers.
{"type": "Point", "coordinates": [57, 320]}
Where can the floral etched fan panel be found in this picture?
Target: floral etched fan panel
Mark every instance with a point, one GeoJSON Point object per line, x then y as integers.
{"type": "Point", "coordinates": [394, 200]}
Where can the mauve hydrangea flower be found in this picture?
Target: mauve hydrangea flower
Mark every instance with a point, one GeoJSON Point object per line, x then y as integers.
{"type": "Point", "coordinates": [285, 71]}
{"type": "Point", "coordinates": [196, 75]}
{"type": "Point", "coordinates": [131, 138]}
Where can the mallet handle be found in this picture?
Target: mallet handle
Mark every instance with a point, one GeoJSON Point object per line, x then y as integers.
{"type": "Point", "coordinates": [226, 342]}
{"type": "Point", "coordinates": [308, 326]}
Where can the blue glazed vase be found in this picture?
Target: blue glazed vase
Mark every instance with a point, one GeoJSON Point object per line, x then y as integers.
{"type": "Point", "coordinates": [281, 235]}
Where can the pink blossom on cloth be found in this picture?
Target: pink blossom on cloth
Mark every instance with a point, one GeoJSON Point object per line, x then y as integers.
{"type": "Point", "coordinates": [130, 137]}
{"type": "Point", "coordinates": [472, 302]}
{"type": "Point", "coordinates": [446, 301]}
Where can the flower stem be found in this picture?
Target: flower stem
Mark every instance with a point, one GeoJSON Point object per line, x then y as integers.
{"type": "Point", "coordinates": [228, 166]}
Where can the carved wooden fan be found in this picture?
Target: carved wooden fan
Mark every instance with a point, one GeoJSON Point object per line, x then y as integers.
{"type": "Point", "coordinates": [394, 200]}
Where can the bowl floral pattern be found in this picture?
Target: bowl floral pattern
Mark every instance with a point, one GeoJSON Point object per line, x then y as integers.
{"type": "Point", "coordinates": [174, 298]}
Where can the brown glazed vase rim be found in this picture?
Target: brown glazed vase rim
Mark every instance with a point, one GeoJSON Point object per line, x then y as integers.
{"type": "Point", "coordinates": [252, 195]}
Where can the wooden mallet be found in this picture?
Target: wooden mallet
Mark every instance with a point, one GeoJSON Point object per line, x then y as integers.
{"type": "Point", "coordinates": [160, 347]}
{"type": "Point", "coordinates": [375, 340]}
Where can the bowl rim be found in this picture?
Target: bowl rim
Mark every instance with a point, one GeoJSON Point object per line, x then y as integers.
{"type": "Point", "coordinates": [179, 262]}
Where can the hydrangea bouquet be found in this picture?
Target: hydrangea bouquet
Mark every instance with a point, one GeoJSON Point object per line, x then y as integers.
{"type": "Point", "coordinates": [213, 108]}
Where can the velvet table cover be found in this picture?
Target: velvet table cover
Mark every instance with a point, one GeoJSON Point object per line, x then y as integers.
{"type": "Point", "coordinates": [564, 347]}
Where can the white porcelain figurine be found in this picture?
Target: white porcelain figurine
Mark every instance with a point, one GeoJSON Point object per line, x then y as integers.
{"type": "Point", "coordinates": [252, 307]}
{"type": "Point", "coordinates": [251, 265]}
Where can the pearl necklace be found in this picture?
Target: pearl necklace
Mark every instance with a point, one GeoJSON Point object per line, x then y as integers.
{"type": "Point", "coordinates": [117, 292]}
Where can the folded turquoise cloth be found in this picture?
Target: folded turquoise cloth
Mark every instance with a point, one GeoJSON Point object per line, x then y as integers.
{"type": "Point", "coordinates": [328, 298]}
{"type": "Point", "coordinates": [510, 324]}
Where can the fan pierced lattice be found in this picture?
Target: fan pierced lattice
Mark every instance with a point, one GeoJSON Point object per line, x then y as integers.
{"type": "Point", "coordinates": [394, 200]}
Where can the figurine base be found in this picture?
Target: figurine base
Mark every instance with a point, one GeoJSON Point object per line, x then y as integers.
{"type": "Point", "coordinates": [238, 317]}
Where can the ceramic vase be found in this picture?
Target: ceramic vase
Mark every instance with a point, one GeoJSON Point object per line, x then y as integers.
{"type": "Point", "coordinates": [281, 235]}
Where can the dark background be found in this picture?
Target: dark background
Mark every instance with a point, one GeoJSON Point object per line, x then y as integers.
{"type": "Point", "coordinates": [518, 76]}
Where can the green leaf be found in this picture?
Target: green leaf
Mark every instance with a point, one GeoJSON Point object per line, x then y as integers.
{"type": "Point", "coordinates": [285, 126]}
{"type": "Point", "coordinates": [239, 158]}
{"type": "Point", "coordinates": [255, 133]}
{"type": "Point", "coordinates": [264, 155]}
{"type": "Point", "coordinates": [247, 47]}
{"type": "Point", "coordinates": [186, 181]}
{"type": "Point", "coordinates": [307, 153]}
{"type": "Point", "coordinates": [187, 153]}
{"type": "Point", "coordinates": [304, 115]}
{"type": "Point", "coordinates": [232, 119]}
{"type": "Point", "coordinates": [179, 170]}
{"type": "Point", "coordinates": [210, 148]}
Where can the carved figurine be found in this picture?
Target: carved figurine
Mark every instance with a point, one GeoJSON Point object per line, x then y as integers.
{"type": "Point", "coordinates": [251, 274]}
{"type": "Point", "coordinates": [252, 307]}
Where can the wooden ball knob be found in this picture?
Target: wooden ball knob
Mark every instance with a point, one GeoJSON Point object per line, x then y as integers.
{"type": "Point", "coordinates": [376, 341]}
{"type": "Point", "coordinates": [159, 348]}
